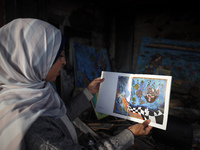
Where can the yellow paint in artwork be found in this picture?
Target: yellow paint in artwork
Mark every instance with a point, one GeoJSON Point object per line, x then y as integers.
{"type": "Point", "coordinates": [136, 86]}
{"type": "Point", "coordinates": [119, 109]}
{"type": "Point", "coordinates": [141, 102]}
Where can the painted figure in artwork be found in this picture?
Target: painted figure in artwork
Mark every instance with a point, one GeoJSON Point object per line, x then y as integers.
{"type": "Point", "coordinates": [150, 94]}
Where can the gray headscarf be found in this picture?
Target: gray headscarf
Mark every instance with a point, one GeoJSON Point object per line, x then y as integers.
{"type": "Point", "coordinates": [28, 48]}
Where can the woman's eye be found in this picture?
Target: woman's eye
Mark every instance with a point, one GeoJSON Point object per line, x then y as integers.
{"type": "Point", "coordinates": [62, 54]}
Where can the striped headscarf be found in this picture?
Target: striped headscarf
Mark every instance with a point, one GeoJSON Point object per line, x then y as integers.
{"type": "Point", "coordinates": [28, 48]}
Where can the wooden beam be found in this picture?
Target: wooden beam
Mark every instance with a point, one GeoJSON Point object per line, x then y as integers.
{"type": "Point", "coordinates": [174, 47]}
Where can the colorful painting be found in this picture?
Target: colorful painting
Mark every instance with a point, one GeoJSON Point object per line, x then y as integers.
{"type": "Point", "coordinates": [181, 59]}
{"type": "Point", "coordinates": [141, 98]}
{"type": "Point", "coordinates": [89, 63]}
{"type": "Point", "coordinates": [136, 97]}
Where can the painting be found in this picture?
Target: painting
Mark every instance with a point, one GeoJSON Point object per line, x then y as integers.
{"type": "Point", "coordinates": [177, 58]}
{"type": "Point", "coordinates": [88, 64]}
{"type": "Point", "coordinates": [140, 98]}
{"type": "Point", "coordinates": [135, 97]}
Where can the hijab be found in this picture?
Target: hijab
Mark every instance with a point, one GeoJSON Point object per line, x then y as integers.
{"type": "Point", "coordinates": [28, 48]}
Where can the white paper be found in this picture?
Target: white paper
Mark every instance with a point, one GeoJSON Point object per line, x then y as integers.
{"type": "Point", "coordinates": [135, 97]}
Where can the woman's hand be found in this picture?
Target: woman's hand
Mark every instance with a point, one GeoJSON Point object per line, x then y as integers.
{"type": "Point", "coordinates": [93, 87]}
{"type": "Point", "coordinates": [141, 128]}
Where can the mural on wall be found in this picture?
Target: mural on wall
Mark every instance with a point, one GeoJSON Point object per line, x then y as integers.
{"type": "Point", "coordinates": [170, 57]}
{"type": "Point", "coordinates": [88, 65]}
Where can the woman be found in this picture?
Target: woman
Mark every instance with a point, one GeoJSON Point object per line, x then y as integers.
{"type": "Point", "coordinates": [32, 115]}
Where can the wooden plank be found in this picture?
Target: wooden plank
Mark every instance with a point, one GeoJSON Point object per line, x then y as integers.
{"type": "Point", "coordinates": [174, 47]}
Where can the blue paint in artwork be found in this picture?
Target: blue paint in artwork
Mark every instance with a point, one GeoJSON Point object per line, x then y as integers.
{"type": "Point", "coordinates": [184, 65]}
{"type": "Point", "coordinates": [135, 91]}
{"type": "Point", "coordinates": [89, 62]}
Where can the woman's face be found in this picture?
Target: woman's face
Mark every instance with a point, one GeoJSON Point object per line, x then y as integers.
{"type": "Point", "coordinates": [56, 68]}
